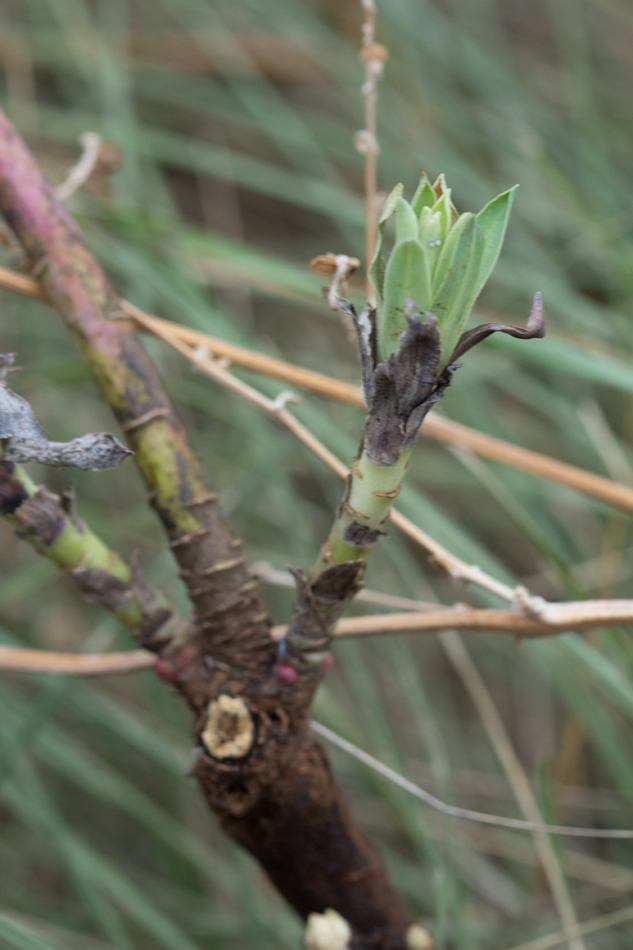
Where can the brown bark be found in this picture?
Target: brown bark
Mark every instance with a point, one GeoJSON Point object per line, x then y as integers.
{"type": "Point", "coordinates": [265, 775]}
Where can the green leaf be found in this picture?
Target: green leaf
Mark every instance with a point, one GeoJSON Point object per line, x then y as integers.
{"type": "Point", "coordinates": [406, 222]}
{"type": "Point", "coordinates": [424, 196]}
{"type": "Point", "coordinates": [493, 221]}
{"type": "Point", "coordinates": [459, 263]}
{"type": "Point", "coordinates": [448, 251]}
{"type": "Point", "coordinates": [390, 204]}
{"type": "Point", "coordinates": [445, 209]}
{"type": "Point", "coordinates": [406, 275]}
{"type": "Point", "coordinates": [431, 236]}
{"type": "Point", "coordinates": [377, 266]}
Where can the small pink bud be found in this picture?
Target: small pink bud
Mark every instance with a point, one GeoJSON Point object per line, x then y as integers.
{"type": "Point", "coordinates": [287, 675]}
{"type": "Point", "coordinates": [165, 669]}
{"type": "Point", "coordinates": [327, 664]}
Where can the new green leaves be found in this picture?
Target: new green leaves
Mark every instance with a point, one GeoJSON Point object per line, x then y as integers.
{"type": "Point", "coordinates": [441, 260]}
{"type": "Point", "coordinates": [407, 275]}
{"type": "Point", "coordinates": [456, 279]}
{"type": "Point", "coordinates": [493, 221]}
{"type": "Point", "coordinates": [377, 266]}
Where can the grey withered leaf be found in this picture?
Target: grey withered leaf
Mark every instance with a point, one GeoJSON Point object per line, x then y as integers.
{"type": "Point", "coordinates": [365, 324]}
{"type": "Point", "coordinates": [22, 440]}
{"type": "Point", "coordinates": [399, 391]}
{"type": "Point", "coordinates": [535, 328]}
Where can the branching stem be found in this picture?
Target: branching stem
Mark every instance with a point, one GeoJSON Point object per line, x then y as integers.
{"type": "Point", "coordinates": [103, 577]}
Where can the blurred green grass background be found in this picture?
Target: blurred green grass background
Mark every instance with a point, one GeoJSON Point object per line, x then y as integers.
{"type": "Point", "coordinates": [235, 120]}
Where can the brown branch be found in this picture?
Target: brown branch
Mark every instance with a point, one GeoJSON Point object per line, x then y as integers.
{"type": "Point", "coordinates": [571, 617]}
{"type": "Point", "coordinates": [574, 616]}
{"type": "Point", "coordinates": [177, 484]}
{"type": "Point", "coordinates": [435, 427]}
{"type": "Point", "coordinates": [262, 770]}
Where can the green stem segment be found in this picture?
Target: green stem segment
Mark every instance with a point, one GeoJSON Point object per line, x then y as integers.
{"type": "Point", "coordinates": [104, 577]}
{"type": "Point", "coordinates": [364, 512]}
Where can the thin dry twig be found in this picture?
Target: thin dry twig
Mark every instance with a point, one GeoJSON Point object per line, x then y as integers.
{"type": "Point", "coordinates": [75, 664]}
{"type": "Point", "coordinates": [373, 55]}
{"type": "Point", "coordinates": [435, 426]}
{"type": "Point", "coordinates": [515, 773]}
{"type": "Point", "coordinates": [427, 621]}
{"type": "Point", "coordinates": [454, 811]}
{"type": "Point", "coordinates": [453, 565]}
{"type": "Point", "coordinates": [485, 620]}
{"type": "Point", "coordinates": [268, 575]}
{"type": "Point", "coordinates": [83, 169]}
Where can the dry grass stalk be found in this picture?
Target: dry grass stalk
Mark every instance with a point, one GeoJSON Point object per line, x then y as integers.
{"type": "Point", "coordinates": [435, 427]}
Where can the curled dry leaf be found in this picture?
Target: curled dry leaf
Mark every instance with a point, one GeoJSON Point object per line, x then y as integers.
{"type": "Point", "coordinates": [324, 264]}
{"type": "Point", "coordinates": [22, 439]}
{"type": "Point", "coordinates": [535, 329]}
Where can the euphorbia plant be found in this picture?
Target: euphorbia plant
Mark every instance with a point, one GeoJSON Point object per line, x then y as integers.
{"type": "Point", "coordinates": [409, 344]}
{"type": "Point", "coordinates": [259, 764]}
